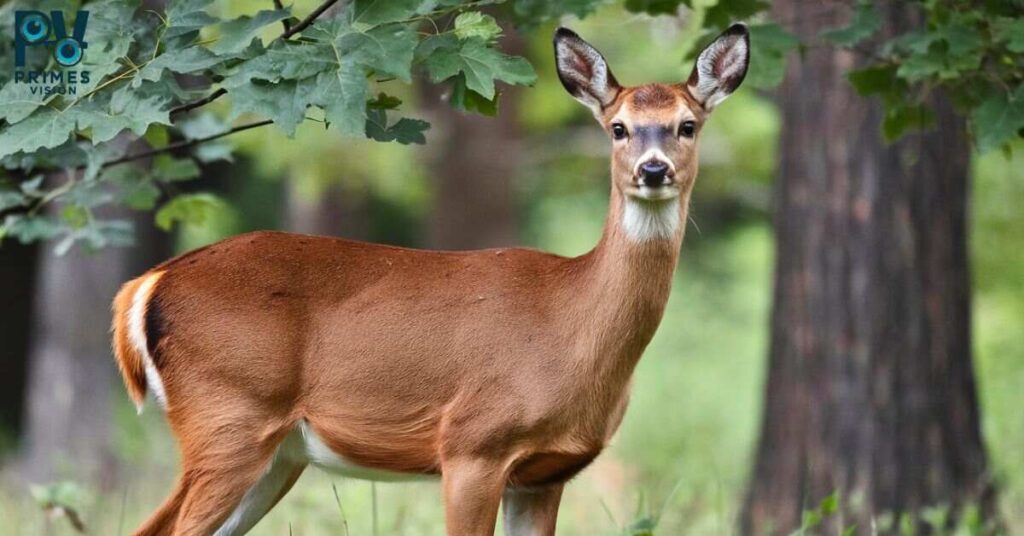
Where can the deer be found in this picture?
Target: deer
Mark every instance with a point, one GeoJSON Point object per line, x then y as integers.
{"type": "Point", "coordinates": [501, 372]}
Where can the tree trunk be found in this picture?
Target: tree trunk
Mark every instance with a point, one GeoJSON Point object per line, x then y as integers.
{"type": "Point", "coordinates": [72, 376]}
{"type": "Point", "coordinates": [870, 387]}
{"type": "Point", "coordinates": [472, 160]}
{"type": "Point", "coordinates": [18, 273]}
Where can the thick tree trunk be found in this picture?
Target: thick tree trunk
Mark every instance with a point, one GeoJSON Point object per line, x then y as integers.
{"type": "Point", "coordinates": [72, 377]}
{"type": "Point", "coordinates": [870, 387]}
{"type": "Point", "coordinates": [18, 274]}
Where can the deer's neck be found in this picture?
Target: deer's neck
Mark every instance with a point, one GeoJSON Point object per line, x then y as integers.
{"type": "Point", "coordinates": [628, 277]}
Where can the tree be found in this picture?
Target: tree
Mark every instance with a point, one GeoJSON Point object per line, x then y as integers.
{"type": "Point", "coordinates": [870, 387]}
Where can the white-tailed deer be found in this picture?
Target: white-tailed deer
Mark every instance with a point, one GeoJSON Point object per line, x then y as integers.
{"type": "Point", "coordinates": [504, 372]}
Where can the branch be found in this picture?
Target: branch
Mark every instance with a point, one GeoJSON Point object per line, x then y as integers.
{"type": "Point", "coordinates": [197, 103]}
{"type": "Point", "coordinates": [304, 23]}
{"type": "Point", "coordinates": [184, 144]}
{"type": "Point", "coordinates": [289, 31]}
{"type": "Point", "coordinates": [284, 22]}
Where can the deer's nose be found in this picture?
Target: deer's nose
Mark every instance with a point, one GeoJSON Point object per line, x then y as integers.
{"type": "Point", "coordinates": [653, 173]}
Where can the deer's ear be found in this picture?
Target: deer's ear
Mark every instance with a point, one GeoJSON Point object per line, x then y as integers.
{"type": "Point", "coordinates": [720, 67]}
{"type": "Point", "coordinates": [583, 71]}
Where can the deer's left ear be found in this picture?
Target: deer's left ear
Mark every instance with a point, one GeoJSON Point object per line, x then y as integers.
{"type": "Point", "coordinates": [720, 67]}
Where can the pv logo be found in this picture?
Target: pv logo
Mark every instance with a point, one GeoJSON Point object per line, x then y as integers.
{"type": "Point", "coordinates": [34, 28]}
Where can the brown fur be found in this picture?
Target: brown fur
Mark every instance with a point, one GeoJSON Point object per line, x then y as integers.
{"type": "Point", "coordinates": [506, 371]}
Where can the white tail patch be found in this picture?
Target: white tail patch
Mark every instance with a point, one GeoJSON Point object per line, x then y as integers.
{"type": "Point", "coordinates": [650, 220]}
{"type": "Point", "coordinates": [137, 335]}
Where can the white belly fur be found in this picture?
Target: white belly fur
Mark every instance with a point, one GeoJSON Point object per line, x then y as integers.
{"type": "Point", "coordinates": [305, 446]}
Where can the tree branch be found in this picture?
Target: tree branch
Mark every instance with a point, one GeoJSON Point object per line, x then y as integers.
{"type": "Point", "coordinates": [289, 31]}
{"type": "Point", "coordinates": [304, 23]}
{"type": "Point", "coordinates": [184, 144]}
{"type": "Point", "coordinates": [197, 103]}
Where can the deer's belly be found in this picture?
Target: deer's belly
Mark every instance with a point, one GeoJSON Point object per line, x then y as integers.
{"type": "Point", "coordinates": [305, 446]}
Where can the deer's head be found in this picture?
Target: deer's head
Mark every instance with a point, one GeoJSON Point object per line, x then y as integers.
{"type": "Point", "coordinates": [653, 127]}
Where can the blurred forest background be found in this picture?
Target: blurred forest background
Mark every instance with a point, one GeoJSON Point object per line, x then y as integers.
{"type": "Point", "coordinates": [691, 456]}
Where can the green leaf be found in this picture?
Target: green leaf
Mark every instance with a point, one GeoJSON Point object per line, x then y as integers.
{"type": "Point", "coordinates": [768, 49]}
{"type": "Point", "coordinates": [998, 119]}
{"type": "Point", "coordinates": [166, 168]}
{"type": "Point", "coordinates": [46, 127]}
{"type": "Point", "coordinates": [342, 95]}
{"type": "Point", "coordinates": [131, 109]}
{"type": "Point", "coordinates": [183, 61]}
{"type": "Point", "coordinates": [875, 80]}
{"type": "Point", "coordinates": [1010, 31]}
{"type": "Point", "coordinates": [902, 117]}
{"type": "Point", "coordinates": [188, 209]}
{"type": "Point", "coordinates": [534, 12]}
{"type": "Point", "coordinates": [405, 131]}
{"type": "Point", "coordinates": [142, 196]}
{"type": "Point", "coordinates": [29, 228]}
{"type": "Point", "coordinates": [17, 102]}
{"type": "Point", "coordinates": [284, 102]}
{"type": "Point", "coordinates": [725, 12]}
{"type": "Point", "coordinates": [470, 101]}
{"type": "Point", "coordinates": [375, 12]}
{"type": "Point", "coordinates": [480, 64]}
{"type": "Point", "coordinates": [76, 216]}
{"type": "Point", "coordinates": [865, 22]}
{"type": "Point", "coordinates": [656, 7]}
{"type": "Point", "coordinates": [476, 24]}
{"type": "Point", "coordinates": [187, 16]}
{"type": "Point", "coordinates": [235, 35]}
{"type": "Point", "coordinates": [383, 101]}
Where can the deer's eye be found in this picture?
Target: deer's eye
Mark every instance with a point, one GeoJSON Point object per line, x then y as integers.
{"type": "Point", "coordinates": [687, 128]}
{"type": "Point", "coordinates": [618, 131]}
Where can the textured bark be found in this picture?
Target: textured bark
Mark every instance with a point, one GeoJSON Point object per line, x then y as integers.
{"type": "Point", "coordinates": [870, 388]}
{"type": "Point", "coordinates": [473, 163]}
{"type": "Point", "coordinates": [71, 380]}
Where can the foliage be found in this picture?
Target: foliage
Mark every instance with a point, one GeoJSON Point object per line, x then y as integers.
{"type": "Point", "coordinates": [149, 72]}
{"type": "Point", "coordinates": [972, 51]}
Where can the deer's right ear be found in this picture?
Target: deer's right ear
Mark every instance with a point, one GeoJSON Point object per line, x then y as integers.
{"type": "Point", "coordinates": [583, 71]}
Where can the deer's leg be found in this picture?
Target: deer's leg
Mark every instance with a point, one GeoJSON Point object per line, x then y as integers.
{"type": "Point", "coordinates": [531, 512]}
{"type": "Point", "coordinates": [161, 522]}
{"type": "Point", "coordinates": [472, 492]}
{"type": "Point", "coordinates": [262, 496]}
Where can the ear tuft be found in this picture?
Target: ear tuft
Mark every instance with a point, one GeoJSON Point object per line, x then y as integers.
{"type": "Point", "coordinates": [721, 67]}
{"type": "Point", "coordinates": [584, 71]}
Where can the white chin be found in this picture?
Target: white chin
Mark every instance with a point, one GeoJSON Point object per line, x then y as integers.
{"type": "Point", "coordinates": [655, 193]}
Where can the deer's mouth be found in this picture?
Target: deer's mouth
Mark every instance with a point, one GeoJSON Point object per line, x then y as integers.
{"type": "Point", "coordinates": [653, 193]}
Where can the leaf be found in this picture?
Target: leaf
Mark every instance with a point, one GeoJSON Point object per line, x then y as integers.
{"type": "Point", "coordinates": [28, 229]}
{"type": "Point", "coordinates": [768, 49]}
{"type": "Point", "coordinates": [142, 196]}
{"type": "Point", "coordinates": [187, 16]}
{"type": "Point", "coordinates": [468, 100]}
{"type": "Point", "coordinates": [405, 131]}
{"type": "Point", "coordinates": [656, 7]}
{"type": "Point", "coordinates": [1010, 31]}
{"type": "Point", "coordinates": [864, 23]}
{"type": "Point", "coordinates": [188, 209]}
{"type": "Point", "coordinates": [128, 109]}
{"type": "Point", "coordinates": [201, 125]}
{"type": "Point", "coordinates": [284, 102]}
{"type": "Point", "coordinates": [183, 61]}
{"type": "Point", "coordinates": [723, 13]}
{"type": "Point", "coordinates": [535, 12]}
{"type": "Point", "coordinates": [46, 127]}
{"type": "Point", "coordinates": [17, 101]}
{"type": "Point", "coordinates": [476, 24]}
{"type": "Point", "coordinates": [480, 64]}
{"type": "Point", "coordinates": [10, 199]}
{"type": "Point", "coordinates": [902, 117]}
{"type": "Point", "coordinates": [235, 35]}
{"type": "Point", "coordinates": [166, 168]}
{"type": "Point", "coordinates": [375, 12]}
{"type": "Point", "coordinates": [876, 79]}
{"type": "Point", "coordinates": [383, 101]}
{"type": "Point", "coordinates": [998, 119]}
{"type": "Point", "coordinates": [342, 95]}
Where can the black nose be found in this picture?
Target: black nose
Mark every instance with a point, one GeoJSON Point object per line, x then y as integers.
{"type": "Point", "coordinates": [653, 173]}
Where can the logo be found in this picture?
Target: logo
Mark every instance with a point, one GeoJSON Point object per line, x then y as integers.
{"type": "Point", "coordinates": [36, 29]}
